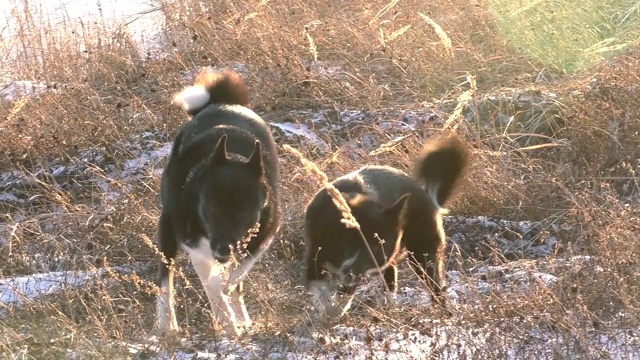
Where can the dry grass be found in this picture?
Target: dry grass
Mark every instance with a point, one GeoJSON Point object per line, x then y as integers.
{"type": "Point", "coordinates": [388, 57]}
{"type": "Point", "coordinates": [569, 35]}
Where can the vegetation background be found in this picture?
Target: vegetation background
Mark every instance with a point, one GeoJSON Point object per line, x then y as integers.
{"type": "Point", "coordinates": [546, 93]}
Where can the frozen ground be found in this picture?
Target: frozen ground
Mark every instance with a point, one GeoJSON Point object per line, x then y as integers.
{"type": "Point", "coordinates": [451, 339]}
{"type": "Point", "coordinates": [533, 244]}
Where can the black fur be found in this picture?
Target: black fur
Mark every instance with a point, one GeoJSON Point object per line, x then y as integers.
{"type": "Point", "coordinates": [222, 177]}
{"type": "Point", "coordinates": [390, 206]}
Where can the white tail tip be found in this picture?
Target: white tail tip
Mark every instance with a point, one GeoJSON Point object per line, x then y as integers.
{"type": "Point", "coordinates": [192, 98]}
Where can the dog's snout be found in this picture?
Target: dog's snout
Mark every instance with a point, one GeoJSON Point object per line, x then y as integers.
{"type": "Point", "coordinates": [222, 252]}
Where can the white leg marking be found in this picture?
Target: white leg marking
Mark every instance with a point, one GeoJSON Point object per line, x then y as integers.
{"type": "Point", "coordinates": [237, 275]}
{"type": "Point", "coordinates": [322, 298]}
{"type": "Point", "coordinates": [391, 299]}
{"type": "Point", "coordinates": [240, 271]}
{"type": "Point", "coordinates": [211, 274]}
{"type": "Point", "coordinates": [227, 310]}
{"type": "Point", "coordinates": [237, 304]}
{"type": "Point", "coordinates": [165, 308]}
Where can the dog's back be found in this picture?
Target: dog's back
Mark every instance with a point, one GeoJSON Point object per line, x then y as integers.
{"type": "Point", "coordinates": [373, 193]}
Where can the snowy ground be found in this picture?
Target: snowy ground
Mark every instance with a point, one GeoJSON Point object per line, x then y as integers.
{"type": "Point", "coordinates": [375, 341]}
{"type": "Point", "coordinates": [378, 341]}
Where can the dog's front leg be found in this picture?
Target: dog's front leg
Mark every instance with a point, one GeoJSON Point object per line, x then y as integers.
{"type": "Point", "coordinates": [221, 307]}
{"type": "Point", "coordinates": [236, 287]}
{"type": "Point", "coordinates": [323, 299]}
{"type": "Point", "coordinates": [238, 306]}
{"type": "Point", "coordinates": [165, 306]}
{"type": "Point", "coordinates": [211, 274]}
{"type": "Point", "coordinates": [390, 275]}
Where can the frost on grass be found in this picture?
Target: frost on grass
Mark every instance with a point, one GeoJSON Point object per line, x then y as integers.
{"type": "Point", "coordinates": [302, 131]}
{"type": "Point", "coordinates": [479, 236]}
{"type": "Point", "coordinates": [446, 338]}
{"type": "Point", "coordinates": [143, 155]}
{"type": "Point", "coordinates": [17, 290]}
{"type": "Point", "coordinates": [452, 338]}
{"type": "Point", "coordinates": [13, 90]}
{"type": "Point", "coordinates": [528, 244]}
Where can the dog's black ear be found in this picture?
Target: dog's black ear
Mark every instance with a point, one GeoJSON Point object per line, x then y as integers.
{"type": "Point", "coordinates": [219, 155]}
{"type": "Point", "coordinates": [397, 210]}
{"type": "Point", "coordinates": [255, 160]}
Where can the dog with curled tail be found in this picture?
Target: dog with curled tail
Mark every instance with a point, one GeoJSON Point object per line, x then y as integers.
{"type": "Point", "coordinates": [220, 197]}
{"type": "Point", "coordinates": [398, 215]}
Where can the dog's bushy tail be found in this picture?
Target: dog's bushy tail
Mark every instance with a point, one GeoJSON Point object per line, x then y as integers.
{"type": "Point", "coordinates": [224, 87]}
{"type": "Point", "coordinates": [441, 165]}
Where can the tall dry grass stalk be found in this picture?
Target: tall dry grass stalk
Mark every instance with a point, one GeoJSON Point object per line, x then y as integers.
{"type": "Point", "coordinates": [341, 203]}
{"type": "Point", "coordinates": [442, 35]}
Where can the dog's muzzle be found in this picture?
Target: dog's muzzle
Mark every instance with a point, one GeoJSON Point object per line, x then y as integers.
{"type": "Point", "coordinates": [222, 253]}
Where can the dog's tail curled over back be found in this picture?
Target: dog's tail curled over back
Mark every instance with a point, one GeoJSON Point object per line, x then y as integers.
{"type": "Point", "coordinates": [224, 87]}
{"type": "Point", "coordinates": [441, 165]}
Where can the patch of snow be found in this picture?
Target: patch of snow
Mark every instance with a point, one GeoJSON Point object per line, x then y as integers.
{"type": "Point", "coordinates": [347, 116]}
{"type": "Point", "coordinates": [301, 130]}
{"type": "Point", "coordinates": [11, 199]}
{"type": "Point", "coordinates": [313, 116]}
{"type": "Point", "coordinates": [23, 288]}
{"type": "Point", "coordinates": [162, 152]}
{"type": "Point", "coordinates": [14, 90]}
{"type": "Point", "coordinates": [145, 161]}
{"type": "Point", "coordinates": [434, 339]}
{"type": "Point", "coordinates": [5, 234]}
{"type": "Point", "coordinates": [375, 341]}
{"type": "Point", "coordinates": [20, 289]}
{"type": "Point", "coordinates": [515, 238]}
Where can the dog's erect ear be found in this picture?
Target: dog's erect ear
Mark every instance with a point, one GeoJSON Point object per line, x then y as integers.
{"type": "Point", "coordinates": [219, 155]}
{"type": "Point", "coordinates": [398, 209]}
{"type": "Point", "coordinates": [255, 160]}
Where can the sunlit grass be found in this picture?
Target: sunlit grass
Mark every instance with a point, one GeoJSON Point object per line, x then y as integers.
{"type": "Point", "coordinates": [569, 35]}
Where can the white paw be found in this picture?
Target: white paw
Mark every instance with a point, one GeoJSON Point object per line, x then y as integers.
{"type": "Point", "coordinates": [247, 323]}
{"type": "Point", "coordinates": [333, 310]}
{"type": "Point", "coordinates": [167, 326]}
{"type": "Point", "coordinates": [165, 318]}
{"type": "Point", "coordinates": [391, 300]}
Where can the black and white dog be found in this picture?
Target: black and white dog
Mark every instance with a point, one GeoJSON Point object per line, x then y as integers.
{"type": "Point", "coordinates": [219, 194]}
{"type": "Point", "coordinates": [397, 217]}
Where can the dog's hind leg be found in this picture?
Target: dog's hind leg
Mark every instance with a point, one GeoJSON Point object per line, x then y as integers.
{"type": "Point", "coordinates": [390, 275]}
{"type": "Point", "coordinates": [165, 307]}
{"type": "Point", "coordinates": [429, 266]}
